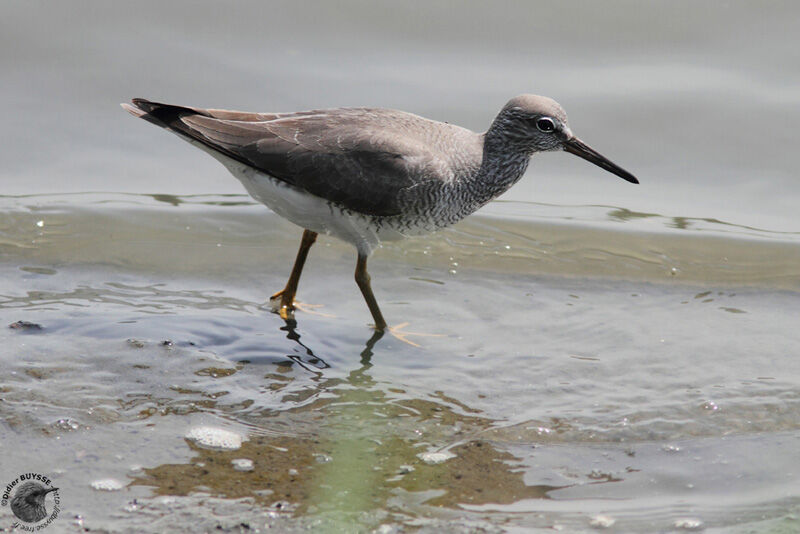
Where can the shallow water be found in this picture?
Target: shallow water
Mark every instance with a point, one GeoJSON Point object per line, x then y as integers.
{"type": "Point", "coordinates": [602, 356]}
{"type": "Point", "coordinates": [584, 369]}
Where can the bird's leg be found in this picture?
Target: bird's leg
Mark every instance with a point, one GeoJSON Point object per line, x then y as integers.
{"type": "Point", "coordinates": [287, 294]}
{"type": "Point", "coordinates": [362, 279]}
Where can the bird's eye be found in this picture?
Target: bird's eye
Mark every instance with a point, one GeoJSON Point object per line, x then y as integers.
{"type": "Point", "coordinates": [546, 124]}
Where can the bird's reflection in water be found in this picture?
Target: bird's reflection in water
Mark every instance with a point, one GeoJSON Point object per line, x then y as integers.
{"type": "Point", "coordinates": [356, 443]}
{"type": "Point", "coordinates": [369, 434]}
{"type": "Point", "coordinates": [306, 358]}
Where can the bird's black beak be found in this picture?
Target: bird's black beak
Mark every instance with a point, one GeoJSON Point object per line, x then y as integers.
{"type": "Point", "coordinates": [581, 149]}
{"type": "Point", "coordinates": [48, 490]}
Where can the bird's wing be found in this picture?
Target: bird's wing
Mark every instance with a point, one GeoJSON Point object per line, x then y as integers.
{"type": "Point", "coordinates": [348, 156]}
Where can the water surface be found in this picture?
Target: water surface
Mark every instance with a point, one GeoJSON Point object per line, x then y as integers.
{"type": "Point", "coordinates": [605, 356]}
{"type": "Point", "coordinates": [644, 376]}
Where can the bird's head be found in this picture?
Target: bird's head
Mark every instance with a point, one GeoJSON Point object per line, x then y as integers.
{"type": "Point", "coordinates": [537, 124]}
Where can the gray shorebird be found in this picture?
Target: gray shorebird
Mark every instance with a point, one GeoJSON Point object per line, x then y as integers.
{"type": "Point", "coordinates": [367, 175]}
{"type": "Point", "coordinates": [28, 502]}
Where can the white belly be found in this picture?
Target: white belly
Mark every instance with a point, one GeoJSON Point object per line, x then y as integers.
{"type": "Point", "coordinates": [312, 212]}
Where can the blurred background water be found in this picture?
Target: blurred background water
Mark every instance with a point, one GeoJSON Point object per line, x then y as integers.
{"type": "Point", "coordinates": [612, 356]}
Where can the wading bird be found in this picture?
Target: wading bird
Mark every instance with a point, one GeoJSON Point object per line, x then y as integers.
{"type": "Point", "coordinates": [367, 175]}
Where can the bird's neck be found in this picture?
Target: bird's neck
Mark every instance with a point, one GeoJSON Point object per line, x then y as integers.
{"type": "Point", "coordinates": [502, 165]}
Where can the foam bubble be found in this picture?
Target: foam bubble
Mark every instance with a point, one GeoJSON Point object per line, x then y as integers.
{"type": "Point", "coordinates": [107, 484]}
{"type": "Point", "coordinates": [242, 464]}
{"type": "Point", "coordinates": [209, 437]}
{"type": "Point", "coordinates": [435, 457]}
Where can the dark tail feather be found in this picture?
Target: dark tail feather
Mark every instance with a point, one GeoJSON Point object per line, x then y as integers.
{"type": "Point", "coordinates": [169, 117]}
{"type": "Point", "coordinates": [164, 115]}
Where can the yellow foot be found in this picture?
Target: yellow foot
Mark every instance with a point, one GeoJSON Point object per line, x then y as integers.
{"type": "Point", "coordinates": [287, 312]}
{"type": "Point", "coordinates": [400, 335]}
